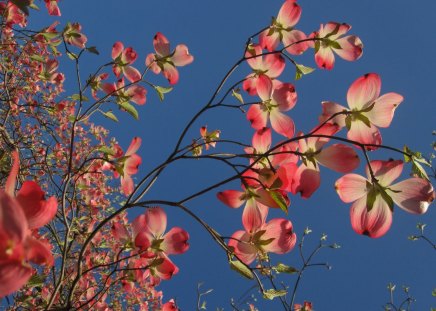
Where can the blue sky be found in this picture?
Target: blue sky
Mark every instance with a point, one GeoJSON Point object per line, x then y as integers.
{"type": "Point", "coordinates": [398, 45]}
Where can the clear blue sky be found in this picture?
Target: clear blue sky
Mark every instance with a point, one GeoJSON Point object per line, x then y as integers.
{"type": "Point", "coordinates": [399, 45]}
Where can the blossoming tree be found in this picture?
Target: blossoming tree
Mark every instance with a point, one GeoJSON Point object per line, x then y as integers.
{"type": "Point", "coordinates": [80, 225]}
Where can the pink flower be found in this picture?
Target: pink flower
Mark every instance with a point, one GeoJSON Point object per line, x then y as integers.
{"type": "Point", "coordinates": [282, 29]}
{"type": "Point", "coordinates": [331, 39]}
{"type": "Point", "coordinates": [367, 110]}
{"type": "Point", "coordinates": [28, 210]}
{"type": "Point", "coordinates": [52, 7]}
{"type": "Point", "coordinates": [123, 58]}
{"type": "Point", "coordinates": [374, 197]}
{"type": "Point", "coordinates": [260, 238]}
{"type": "Point", "coordinates": [209, 138]}
{"type": "Point", "coordinates": [72, 35]}
{"type": "Point", "coordinates": [276, 98]}
{"type": "Point", "coordinates": [134, 93]}
{"type": "Point", "coordinates": [166, 61]}
{"type": "Point", "coordinates": [306, 307]}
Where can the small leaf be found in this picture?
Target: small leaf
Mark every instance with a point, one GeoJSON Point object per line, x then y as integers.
{"type": "Point", "coordinates": [49, 35]}
{"type": "Point", "coordinates": [280, 200]}
{"type": "Point", "coordinates": [162, 90]}
{"type": "Point", "coordinates": [106, 150]}
{"type": "Point", "coordinates": [304, 69]}
{"type": "Point", "coordinates": [241, 269]}
{"type": "Point", "coordinates": [282, 268]}
{"type": "Point", "coordinates": [237, 95]}
{"type": "Point", "coordinates": [364, 119]}
{"type": "Point", "coordinates": [36, 280]}
{"type": "Point", "coordinates": [387, 198]}
{"type": "Point", "coordinates": [71, 55]}
{"type": "Point", "coordinates": [130, 109]}
{"type": "Point", "coordinates": [93, 50]}
{"type": "Point", "coordinates": [110, 115]}
{"type": "Point", "coordinates": [38, 58]}
{"type": "Point", "coordinates": [370, 198]}
{"type": "Point", "coordinates": [77, 98]}
{"type": "Point", "coordinates": [274, 293]}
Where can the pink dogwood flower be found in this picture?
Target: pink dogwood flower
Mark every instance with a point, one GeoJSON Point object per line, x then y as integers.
{"type": "Point", "coordinates": [123, 58]}
{"type": "Point", "coordinates": [73, 35]}
{"type": "Point", "coordinates": [368, 110]}
{"type": "Point", "coordinates": [330, 38]}
{"type": "Point", "coordinates": [276, 98]}
{"type": "Point", "coordinates": [19, 214]}
{"type": "Point", "coordinates": [135, 93]}
{"type": "Point", "coordinates": [374, 196]}
{"type": "Point", "coordinates": [52, 7]}
{"type": "Point", "coordinates": [271, 65]}
{"type": "Point", "coordinates": [282, 30]}
{"type": "Point", "coordinates": [166, 61]}
{"type": "Point", "coordinates": [261, 237]}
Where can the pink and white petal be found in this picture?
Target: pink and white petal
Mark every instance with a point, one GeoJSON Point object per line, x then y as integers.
{"type": "Point", "coordinates": [253, 216]}
{"type": "Point", "coordinates": [150, 61]}
{"type": "Point", "coordinates": [262, 140]}
{"type": "Point", "coordinates": [181, 56]}
{"type": "Point", "coordinates": [269, 42]}
{"type": "Point", "coordinates": [156, 220]}
{"type": "Point", "coordinates": [134, 146]}
{"type": "Point", "coordinates": [249, 84]}
{"type": "Point", "coordinates": [127, 185]}
{"type": "Point", "coordinates": [365, 90]}
{"type": "Point", "coordinates": [264, 87]}
{"type": "Point", "coordinates": [257, 117]}
{"type": "Point", "coordinates": [251, 53]}
{"type": "Point", "coordinates": [11, 181]}
{"type": "Point", "coordinates": [294, 41]}
{"type": "Point", "coordinates": [363, 134]}
{"type": "Point", "coordinates": [351, 48]}
{"type": "Point", "coordinates": [275, 64]}
{"type": "Point", "coordinates": [385, 171]}
{"type": "Point", "coordinates": [143, 240]}
{"type": "Point", "coordinates": [282, 124]}
{"type": "Point", "coordinates": [413, 195]}
{"type": "Point", "coordinates": [131, 73]}
{"type": "Point", "coordinates": [333, 30]}
{"type": "Point", "coordinates": [13, 276]}
{"type": "Point", "coordinates": [131, 165]}
{"type": "Point", "coordinates": [265, 197]}
{"type": "Point", "coordinates": [175, 241]}
{"type": "Point", "coordinates": [281, 231]}
{"type": "Point", "coordinates": [171, 73]}
{"type": "Point", "coordinates": [289, 14]}
{"type": "Point", "coordinates": [243, 249]}
{"type": "Point", "coordinates": [374, 223]}
{"type": "Point", "coordinates": [231, 198]}
{"type": "Point", "coordinates": [120, 232]}
{"type": "Point", "coordinates": [117, 49]}
{"type": "Point", "coordinates": [38, 251]}
{"type": "Point", "coordinates": [166, 269]}
{"type": "Point", "coordinates": [324, 58]}
{"type": "Point", "coordinates": [339, 157]}
{"type": "Point", "coordinates": [137, 94]}
{"type": "Point", "coordinates": [383, 111]}
{"type": "Point", "coordinates": [331, 108]}
{"type": "Point", "coordinates": [129, 56]}
{"type": "Point", "coordinates": [328, 129]}
{"type": "Point", "coordinates": [305, 181]}
{"type": "Point", "coordinates": [351, 187]}
{"type": "Point", "coordinates": [52, 7]}
{"type": "Point", "coordinates": [161, 45]}
{"type": "Point", "coordinates": [109, 88]}
{"type": "Point", "coordinates": [38, 211]}
{"type": "Point", "coordinates": [13, 222]}
{"type": "Point", "coordinates": [285, 96]}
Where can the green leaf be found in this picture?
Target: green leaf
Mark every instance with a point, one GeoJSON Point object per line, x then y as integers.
{"type": "Point", "coordinates": [348, 122]}
{"type": "Point", "coordinates": [93, 50]}
{"type": "Point", "coordinates": [241, 269]}
{"type": "Point", "coordinates": [364, 119]}
{"type": "Point", "coordinates": [77, 98]}
{"type": "Point", "coordinates": [237, 95]}
{"type": "Point", "coordinates": [274, 293]}
{"type": "Point", "coordinates": [71, 55]}
{"type": "Point", "coordinates": [162, 90]}
{"type": "Point", "coordinates": [49, 35]}
{"type": "Point", "coordinates": [282, 268]}
{"type": "Point", "coordinates": [333, 44]}
{"type": "Point", "coordinates": [38, 58]}
{"type": "Point", "coordinates": [36, 280]}
{"type": "Point", "coordinates": [370, 199]}
{"type": "Point", "coordinates": [304, 69]}
{"type": "Point", "coordinates": [280, 200]}
{"type": "Point", "coordinates": [110, 115]}
{"type": "Point", "coordinates": [387, 198]}
{"type": "Point", "coordinates": [130, 109]}
{"type": "Point", "coordinates": [106, 150]}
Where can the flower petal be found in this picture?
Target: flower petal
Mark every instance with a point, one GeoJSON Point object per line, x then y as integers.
{"type": "Point", "coordinates": [282, 124]}
{"type": "Point", "coordinates": [175, 241]}
{"type": "Point", "coordinates": [351, 48]}
{"type": "Point", "coordinates": [281, 231]}
{"type": "Point", "coordinates": [181, 56]}
{"type": "Point", "coordinates": [339, 157]}
{"type": "Point", "coordinates": [351, 187]}
{"type": "Point", "coordinates": [364, 91]}
{"type": "Point", "coordinates": [231, 198]}
{"type": "Point", "coordinates": [414, 196]}
{"type": "Point", "coordinates": [13, 275]}
{"type": "Point", "coordinates": [383, 111]}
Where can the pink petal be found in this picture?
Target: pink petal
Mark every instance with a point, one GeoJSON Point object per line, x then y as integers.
{"type": "Point", "coordinates": [13, 222]}
{"type": "Point", "coordinates": [109, 88]}
{"type": "Point", "coordinates": [127, 185]}
{"type": "Point", "coordinates": [374, 223]}
{"type": "Point", "coordinates": [285, 96]}
{"type": "Point", "coordinates": [231, 198]}
{"type": "Point", "coordinates": [383, 111]}
{"type": "Point", "coordinates": [243, 249]}
{"type": "Point", "coordinates": [325, 58]}
{"type": "Point", "coordinates": [156, 221]}
{"type": "Point", "coordinates": [150, 62]}
{"type": "Point", "coordinates": [364, 91]}
{"type": "Point", "coordinates": [305, 181]}
{"type": "Point", "coordinates": [275, 64]}
{"type": "Point", "coordinates": [132, 74]}
{"type": "Point", "coordinates": [333, 27]}
{"type": "Point", "coordinates": [329, 109]}
{"type": "Point", "coordinates": [175, 241]}
{"type": "Point", "coordinates": [262, 140]}
{"type": "Point", "coordinates": [253, 216]}
{"type": "Point", "coordinates": [269, 42]}
{"type": "Point", "coordinates": [264, 87]}
{"type": "Point", "coordinates": [12, 177]}
{"type": "Point", "coordinates": [52, 7]}
{"type": "Point", "coordinates": [134, 146]}
{"type": "Point", "coordinates": [414, 196]}
{"type": "Point", "coordinates": [289, 14]}
{"type": "Point", "coordinates": [38, 211]}
{"type": "Point", "coordinates": [252, 51]}
{"type": "Point", "coordinates": [137, 94]}
{"type": "Point", "coordinates": [257, 117]}
{"type": "Point", "coordinates": [265, 197]}
{"type": "Point", "coordinates": [249, 84]}
{"type": "Point", "coordinates": [386, 171]}
{"type": "Point", "coordinates": [351, 187]}
{"type": "Point", "coordinates": [161, 45]}
{"type": "Point", "coordinates": [339, 157]}
{"type": "Point", "coordinates": [171, 73]}
{"type": "Point", "coordinates": [181, 56]}
{"type": "Point", "coordinates": [117, 49]}
{"type": "Point", "coordinates": [13, 275]}
{"type": "Point", "coordinates": [38, 251]}
{"type": "Point", "coordinates": [281, 231]}
{"type": "Point", "coordinates": [291, 37]}
{"type": "Point", "coordinates": [131, 165]}
{"type": "Point", "coordinates": [351, 48]}
{"type": "Point", "coordinates": [166, 269]}
{"type": "Point", "coordinates": [282, 124]}
{"type": "Point", "coordinates": [363, 134]}
{"type": "Point", "coordinates": [143, 240]}
{"type": "Point", "coordinates": [120, 233]}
